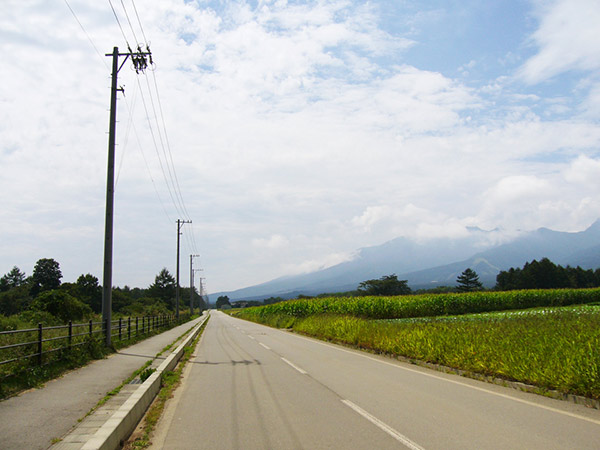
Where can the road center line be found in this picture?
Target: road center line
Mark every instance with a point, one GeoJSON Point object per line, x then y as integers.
{"type": "Point", "coordinates": [265, 346]}
{"type": "Point", "coordinates": [294, 366]}
{"type": "Point", "coordinates": [389, 430]}
{"type": "Point", "coordinates": [251, 337]}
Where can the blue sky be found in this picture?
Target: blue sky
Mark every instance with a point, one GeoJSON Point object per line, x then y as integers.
{"type": "Point", "coordinates": [299, 131]}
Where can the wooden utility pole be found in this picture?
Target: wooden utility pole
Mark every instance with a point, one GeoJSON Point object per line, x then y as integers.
{"type": "Point", "coordinates": [180, 223]}
{"type": "Point", "coordinates": [140, 64]}
{"type": "Point", "coordinates": [192, 283]}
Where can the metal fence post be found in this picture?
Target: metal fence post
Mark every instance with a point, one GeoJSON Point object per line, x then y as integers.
{"type": "Point", "coordinates": [129, 328]}
{"type": "Point", "coordinates": [120, 325]}
{"type": "Point", "coordinates": [39, 344]}
{"type": "Point", "coordinates": [136, 326]}
{"type": "Point", "coordinates": [70, 333]}
{"type": "Point", "coordinates": [91, 328]}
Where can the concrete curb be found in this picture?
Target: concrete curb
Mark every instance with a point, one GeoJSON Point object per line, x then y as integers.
{"type": "Point", "coordinates": [122, 423]}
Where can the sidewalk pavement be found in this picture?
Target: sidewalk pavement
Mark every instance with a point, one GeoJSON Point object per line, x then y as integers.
{"type": "Point", "coordinates": [34, 418]}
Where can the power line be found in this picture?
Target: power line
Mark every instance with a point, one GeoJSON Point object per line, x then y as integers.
{"type": "Point", "coordinates": [141, 149]}
{"type": "Point", "coordinates": [168, 144]}
{"type": "Point", "coordinates": [118, 22]}
{"type": "Point", "coordinates": [130, 26]}
{"type": "Point", "coordinates": [166, 149]}
{"type": "Point", "coordinates": [88, 36]}
{"type": "Point", "coordinates": [156, 149]}
{"type": "Point", "coordinates": [140, 23]}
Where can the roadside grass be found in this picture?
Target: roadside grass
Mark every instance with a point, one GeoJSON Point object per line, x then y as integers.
{"type": "Point", "coordinates": [553, 348]}
{"type": "Point", "coordinates": [170, 380]}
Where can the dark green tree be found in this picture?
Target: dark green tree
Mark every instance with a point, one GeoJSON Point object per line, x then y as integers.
{"type": "Point", "coordinates": [468, 281]}
{"type": "Point", "coordinates": [90, 292]}
{"type": "Point", "coordinates": [222, 301]}
{"type": "Point", "coordinates": [46, 276]}
{"type": "Point", "coordinates": [386, 285]}
{"type": "Point", "coordinates": [163, 287]}
{"type": "Point", "coordinates": [15, 300]}
{"type": "Point", "coordinates": [12, 279]}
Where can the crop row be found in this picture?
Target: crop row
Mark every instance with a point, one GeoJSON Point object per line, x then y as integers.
{"type": "Point", "coordinates": [427, 305]}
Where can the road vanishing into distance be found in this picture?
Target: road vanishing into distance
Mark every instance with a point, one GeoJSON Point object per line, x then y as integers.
{"type": "Point", "coordinates": [254, 387]}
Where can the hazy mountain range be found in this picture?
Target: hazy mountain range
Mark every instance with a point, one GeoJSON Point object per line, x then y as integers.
{"type": "Point", "coordinates": [437, 262]}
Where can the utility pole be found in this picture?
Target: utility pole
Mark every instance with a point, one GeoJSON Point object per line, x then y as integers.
{"type": "Point", "coordinates": [192, 282]}
{"type": "Point", "coordinates": [202, 293]}
{"type": "Point", "coordinates": [199, 292]}
{"type": "Point", "coordinates": [140, 63]}
{"type": "Point", "coordinates": [180, 223]}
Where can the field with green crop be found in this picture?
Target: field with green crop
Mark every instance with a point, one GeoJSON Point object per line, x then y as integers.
{"type": "Point", "coordinates": [525, 336]}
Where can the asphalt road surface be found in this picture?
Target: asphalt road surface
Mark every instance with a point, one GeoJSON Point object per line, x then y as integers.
{"type": "Point", "coordinates": [254, 387]}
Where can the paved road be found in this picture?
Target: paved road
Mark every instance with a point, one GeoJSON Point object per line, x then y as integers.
{"type": "Point", "coordinates": [31, 420]}
{"type": "Point", "coordinates": [253, 387]}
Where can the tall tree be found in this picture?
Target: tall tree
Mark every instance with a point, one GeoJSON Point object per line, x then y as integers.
{"type": "Point", "coordinates": [468, 281]}
{"type": "Point", "coordinates": [386, 285]}
{"type": "Point", "coordinates": [90, 291]}
{"type": "Point", "coordinates": [12, 279]}
{"type": "Point", "coordinates": [46, 276]}
{"type": "Point", "coordinates": [163, 287]}
{"type": "Point", "coordinates": [223, 300]}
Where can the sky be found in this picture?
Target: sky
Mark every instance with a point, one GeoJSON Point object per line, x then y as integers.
{"type": "Point", "coordinates": [291, 133]}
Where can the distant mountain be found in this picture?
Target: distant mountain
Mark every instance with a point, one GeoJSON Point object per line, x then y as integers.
{"type": "Point", "coordinates": [437, 262]}
{"type": "Point", "coordinates": [574, 249]}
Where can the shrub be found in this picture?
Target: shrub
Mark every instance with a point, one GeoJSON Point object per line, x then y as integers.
{"type": "Point", "coordinates": [61, 305]}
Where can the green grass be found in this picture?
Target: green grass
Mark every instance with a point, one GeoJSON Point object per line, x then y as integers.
{"type": "Point", "coordinates": [553, 348]}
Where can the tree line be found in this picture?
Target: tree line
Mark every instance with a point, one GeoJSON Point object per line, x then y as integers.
{"type": "Point", "coordinates": [544, 274]}
{"type": "Point", "coordinates": [43, 297]}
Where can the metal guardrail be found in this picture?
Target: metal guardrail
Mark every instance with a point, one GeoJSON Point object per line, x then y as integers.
{"type": "Point", "coordinates": [26, 344]}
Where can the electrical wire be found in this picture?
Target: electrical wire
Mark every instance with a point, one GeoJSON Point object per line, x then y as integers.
{"type": "Point", "coordinates": [103, 59]}
{"type": "Point", "coordinates": [141, 149]}
{"type": "Point", "coordinates": [118, 22]}
{"type": "Point", "coordinates": [171, 180]}
{"type": "Point", "coordinates": [168, 144]}
{"type": "Point", "coordinates": [129, 21]}
{"type": "Point", "coordinates": [126, 138]}
{"type": "Point", "coordinates": [140, 23]}
{"type": "Point", "coordinates": [156, 148]}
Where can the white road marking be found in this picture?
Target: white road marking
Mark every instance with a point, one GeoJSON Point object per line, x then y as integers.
{"type": "Point", "coordinates": [389, 430]}
{"type": "Point", "coordinates": [265, 346]}
{"type": "Point", "coordinates": [431, 375]}
{"type": "Point", "coordinates": [251, 337]}
{"type": "Point", "coordinates": [294, 366]}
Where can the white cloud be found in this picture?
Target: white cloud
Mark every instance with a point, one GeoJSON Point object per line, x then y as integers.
{"type": "Point", "coordinates": [274, 242]}
{"type": "Point", "coordinates": [296, 140]}
{"type": "Point", "coordinates": [566, 38]}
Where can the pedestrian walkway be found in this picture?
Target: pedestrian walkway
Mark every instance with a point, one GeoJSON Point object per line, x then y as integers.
{"type": "Point", "coordinates": [35, 418]}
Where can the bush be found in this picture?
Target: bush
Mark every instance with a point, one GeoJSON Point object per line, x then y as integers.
{"type": "Point", "coordinates": [61, 305]}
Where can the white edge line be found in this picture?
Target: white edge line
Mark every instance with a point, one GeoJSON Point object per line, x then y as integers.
{"type": "Point", "coordinates": [389, 430]}
{"type": "Point", "coordinates": [294, 366]}
{"type": "Point", "coordinates": [497, 394]}
{"type": "Point", "coordinates": [265, 346]}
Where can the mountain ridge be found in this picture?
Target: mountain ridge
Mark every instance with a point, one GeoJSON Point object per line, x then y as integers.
{"type": "Point", "coordinates": [436, 262]}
